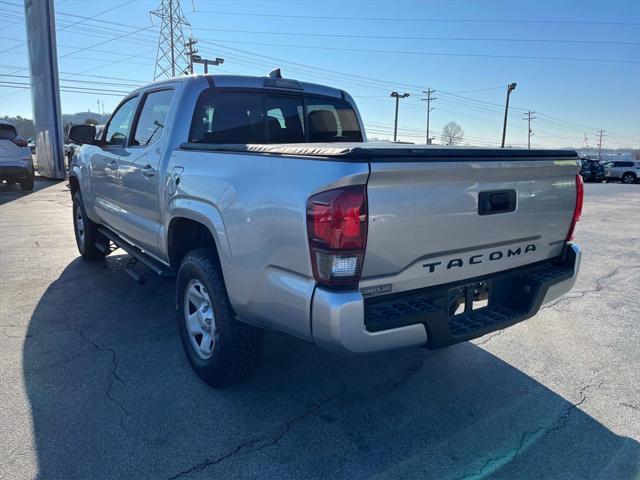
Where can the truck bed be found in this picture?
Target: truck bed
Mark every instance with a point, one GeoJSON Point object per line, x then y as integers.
{"type": "Point", "coordinates": [427, 225]}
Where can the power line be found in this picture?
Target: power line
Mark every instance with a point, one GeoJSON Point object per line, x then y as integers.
{"type": "Point", "coordinates": [440, 54]}
{"type": "Point", "coordinates": [371, 84]}
{"type": "Point", "coordinates": [430, 38]}
{"type": "Point", "coordinates": [420, 20]}
{"type": "Point", "coordinates": [68, 26]}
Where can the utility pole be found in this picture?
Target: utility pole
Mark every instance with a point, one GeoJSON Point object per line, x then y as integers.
{"type": "Point", "coordinates": [528, 118]}
{"type": "Point", "coordinates": [429, 99]}
{"type": "Point", "coordinates": [172, 54]}
{"type": "Point", "coordinates": [511, 87]}
{"type": "Point", "coordinates": [601, 133]}
{"type": "Point", "coordinates": [191, 52]}
{"type": "Point", "coordinates": [397, 96]}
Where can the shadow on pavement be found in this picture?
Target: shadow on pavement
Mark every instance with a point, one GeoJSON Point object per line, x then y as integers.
{"type": "Point", "coordinates": [112, 396]}
{"type": "Point", "coordinates": [11, 191]}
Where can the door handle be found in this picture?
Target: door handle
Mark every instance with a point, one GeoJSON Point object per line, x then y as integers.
{"type": "Point", "coordinates": [148, 171]}
{"type": "Point", "coordinates": [497, 201]}
{"type": "Point", "coordinates": [113, 165]}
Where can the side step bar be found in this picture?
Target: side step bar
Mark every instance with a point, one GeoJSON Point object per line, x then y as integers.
{"type": "Point", "coordinates": [137, 256]}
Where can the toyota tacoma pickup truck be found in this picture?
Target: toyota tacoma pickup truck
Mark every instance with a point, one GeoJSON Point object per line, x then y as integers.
{"type": "Point", "coordinates": [262, 197]}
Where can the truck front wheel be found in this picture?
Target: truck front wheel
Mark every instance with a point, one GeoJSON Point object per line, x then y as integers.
{"type": "Point", "coordinates": [222, 350]}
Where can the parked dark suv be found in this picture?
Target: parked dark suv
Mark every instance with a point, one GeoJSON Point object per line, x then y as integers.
{"type": "Point", "coordinates": [592, 170]}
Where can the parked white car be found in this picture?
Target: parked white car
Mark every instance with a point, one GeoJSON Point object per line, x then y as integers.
{"type": "Point", "coordinates": [16, 165]}
{"type": "Point", "coordinates": [626, 171]}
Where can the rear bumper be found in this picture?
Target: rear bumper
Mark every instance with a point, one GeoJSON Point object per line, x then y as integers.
{"type": "Point", "coordinates": [346, 322]}
{"type": "Point", "coordinates": [15, 171]}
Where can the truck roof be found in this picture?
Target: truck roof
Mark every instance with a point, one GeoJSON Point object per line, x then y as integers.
{"type": "Point", "coordinates": [391, 151]}
{"type": "Point", "coordinates": [246, 81]}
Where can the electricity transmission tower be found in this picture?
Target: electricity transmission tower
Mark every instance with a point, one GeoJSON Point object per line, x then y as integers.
{"type": "Point", "coordinates": [171, 59]}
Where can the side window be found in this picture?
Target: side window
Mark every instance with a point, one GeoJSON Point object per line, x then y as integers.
{"type": "Point", "coordinates": [120, 122]}
{"type": "Point", "coordinates": [152, 117]}
{"type": "Point", "coordinates": [284, 120]}
{"type": "Point", "coordinates": [228, 118]}
{"type": "Point", "coordinates": [332, 121]}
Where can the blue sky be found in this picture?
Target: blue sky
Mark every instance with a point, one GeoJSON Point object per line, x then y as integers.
{"type": "Point", "coordinates": [369, 48]}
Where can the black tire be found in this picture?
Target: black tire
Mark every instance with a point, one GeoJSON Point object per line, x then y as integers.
{"type": "Point", "coordinates": [86, 242]}
{"type": "Point", "coordinates": [628, 178]}
{"type": "Point", "coordinates": [26, 185]}
{"type": "Point", "coordinates": [237, 346]}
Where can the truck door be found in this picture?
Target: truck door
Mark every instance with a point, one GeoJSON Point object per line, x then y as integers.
{"type": "Point", "coordinates": [104, 162]}
{"type": "Point", "coordinates": [139, 173]}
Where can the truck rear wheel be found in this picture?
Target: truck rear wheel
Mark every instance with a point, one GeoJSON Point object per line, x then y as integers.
{"type": "Point", "coordinates": [86, 231]}
{"type": "Point", "coordinates": [222, 350]}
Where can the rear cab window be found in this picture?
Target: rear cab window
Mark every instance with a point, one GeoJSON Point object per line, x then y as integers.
{"type": "Point", "coordinates": [267, 118]}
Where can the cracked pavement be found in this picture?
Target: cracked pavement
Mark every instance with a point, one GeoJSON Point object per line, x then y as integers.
{"type": "Point", "coordinates": [94, 383]}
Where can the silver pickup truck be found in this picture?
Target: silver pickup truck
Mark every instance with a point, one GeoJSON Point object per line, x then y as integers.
{"type": "Point", "coordinates": [262, 196]}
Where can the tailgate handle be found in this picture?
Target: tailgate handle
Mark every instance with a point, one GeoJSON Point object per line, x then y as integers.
{"type": "Point", "coordinates": [497, 201]}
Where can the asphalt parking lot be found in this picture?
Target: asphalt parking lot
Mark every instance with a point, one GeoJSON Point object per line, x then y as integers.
{"type": "Point", "coordinates": [94, 383]}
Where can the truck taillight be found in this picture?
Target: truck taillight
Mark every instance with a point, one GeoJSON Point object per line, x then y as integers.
{"type": "Point", "coordinates": [337, 229]}
{"type": "Point", "coordinates": [577, 211]}
{"type": "Point", "coordinates": [21, 142]}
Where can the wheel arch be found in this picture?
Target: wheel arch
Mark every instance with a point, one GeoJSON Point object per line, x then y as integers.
{"type": "Point", "coordinates": [74, 184]}
{"type": "Point", "coordinates": [189, 228]}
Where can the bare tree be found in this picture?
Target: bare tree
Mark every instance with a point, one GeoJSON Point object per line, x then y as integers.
{"type": "Point", "coordinates": [452, 134]}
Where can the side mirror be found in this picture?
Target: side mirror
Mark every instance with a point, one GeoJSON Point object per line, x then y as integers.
{"type": "Point", "coordinates": [82, 134]}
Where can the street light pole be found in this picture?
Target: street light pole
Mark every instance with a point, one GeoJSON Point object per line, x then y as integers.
{"type": "Point", "coordinates": [397, 96]}
{"type": "Point", "coordinates": [510, 88]}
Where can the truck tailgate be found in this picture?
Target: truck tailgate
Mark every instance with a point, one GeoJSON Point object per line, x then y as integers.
{"type": "Point", "coordinates": [439, 221]}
